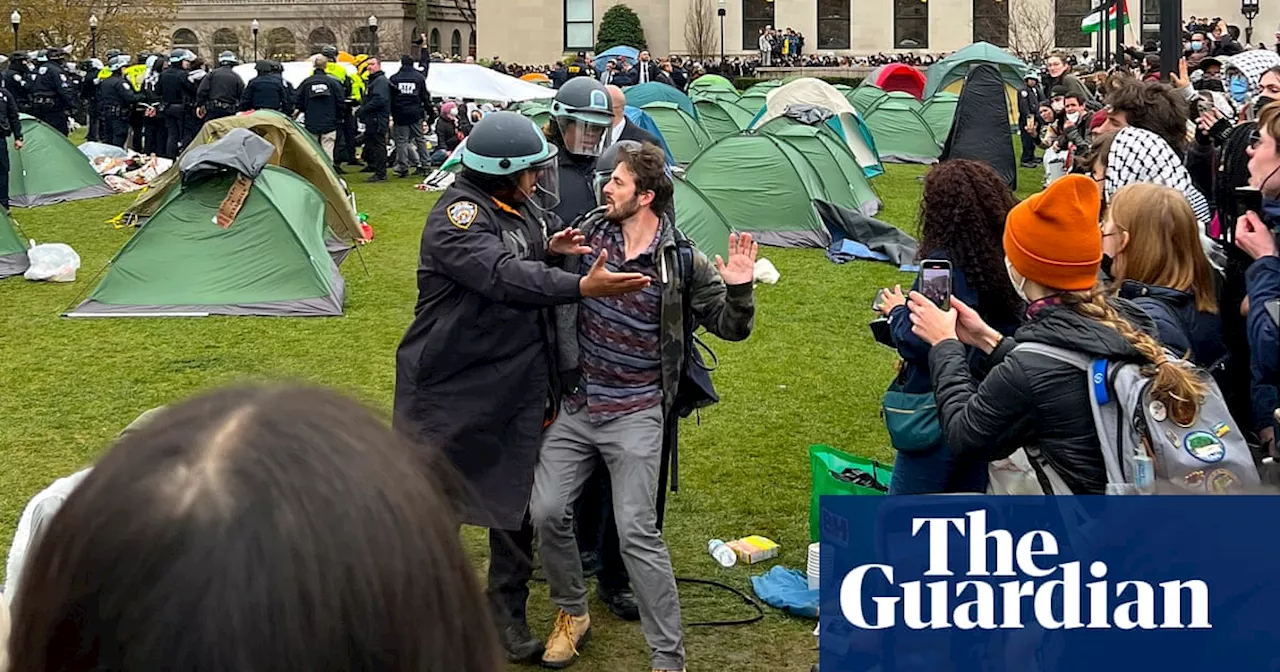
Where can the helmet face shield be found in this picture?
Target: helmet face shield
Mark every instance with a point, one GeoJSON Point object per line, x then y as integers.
{"type": "Point", "coordinates": [583, 138]}
{"type": "Point", "coordinates": [546, 190]}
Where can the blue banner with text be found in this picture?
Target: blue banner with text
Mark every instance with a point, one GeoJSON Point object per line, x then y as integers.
{"type": "Point", "coordinates": [1049, 584]}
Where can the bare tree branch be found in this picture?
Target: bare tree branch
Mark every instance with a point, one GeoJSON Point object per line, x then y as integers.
{"type": "Point", "coordinates": [468, 10]}
{"type": "Point", "coordinates": [123, 24]}
{"type": "Point", "coordinates": [1031, 27]}
{"type": "Point", "coordinates": [700, 30]}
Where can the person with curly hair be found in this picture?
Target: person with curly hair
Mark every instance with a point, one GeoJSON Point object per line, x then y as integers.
{"type": "Point", "coordinates": [962, 219]}
{"type": "Point", "coordinates": [1154, 106]}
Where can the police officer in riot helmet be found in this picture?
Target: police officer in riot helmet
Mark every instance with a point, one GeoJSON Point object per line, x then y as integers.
{"type": "Point", "coordinates": [266, 91]}
{"type": "Point", "coordinates": [9, 125]}
{"type": "Point", "coordinates": [17, 79]}
{"type": "Point", "coordinates": [51, 96]}
{"type": "Point", "coordinates": [116, 99]}
{"type": "Point", "coordinates": [580, 121]}
{"type": "Point", "coordinates": [220, 90]}
{"type": "Point", "coordinates": [177, 93]}
{"type": "Point", "coordinates": [475, 372]}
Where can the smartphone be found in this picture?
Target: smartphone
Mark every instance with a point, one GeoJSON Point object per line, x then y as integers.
{"type": "Point", "coordinates": [935, 282]}
{"type": "Point", "coordinates": [881, 332]}
{"type": "Point", "coordinates": [1247, 198]}
{"type": "Point", "coordinates": [1205, 102]}
{"type": "Point", "coordinates": [877, 302]}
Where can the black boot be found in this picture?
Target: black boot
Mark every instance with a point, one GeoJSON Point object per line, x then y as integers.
{"type": "Point", "coordinates": [622, 603]}
{"type": "Point", "coordinates": [518, 644]}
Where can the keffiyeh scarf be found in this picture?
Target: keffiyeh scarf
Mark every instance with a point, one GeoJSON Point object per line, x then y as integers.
{"type": "Point", "coordinates": [1138, 155]}
{"type": "Point", "coordinates": [1252, 64]}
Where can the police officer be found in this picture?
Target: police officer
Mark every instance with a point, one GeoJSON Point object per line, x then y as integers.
{"type": "Point", "coordinates": [220, 91]}
{"type": "Point", "coordinates": [89, 98]}
{"type": "Point", "coordinates": [177, 93]}
{"type": "Point", "coordinates": [153, 129]}
{"type": "Point", "coordinates": [345, 149]}
{"type": "Point", "coordinates": [375, 112]}
{"type": "Point", "coordinates": [580, 67]}
{"type": "Point", "coordinates": [9, 125]}
{"type": "Point", "coordinates": [267, 91]}
{"type": "Point", "coordinates": [51, 96]}
{"type": "Point", "coordinates": [116, 100]}
{"type": "Point", "coordinates": [17, 79]}
{"type": "Point", "coordinates": [410, 107]}
{"type": "Point", "coordinates": [320, 100]}
{"type": "Point", "coordinates": [475, 372]}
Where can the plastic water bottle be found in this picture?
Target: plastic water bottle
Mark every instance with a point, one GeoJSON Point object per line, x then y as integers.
{"type": "Point", "coordinates": [722, 553]}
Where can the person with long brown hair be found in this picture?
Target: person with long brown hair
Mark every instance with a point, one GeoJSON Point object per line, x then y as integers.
{"type": "Point", "coordinates": [1151, 250]}
{"type": "Point", "coordinates": [1053, 249]}
{"type": "Point", "coordinates": [962, 219]}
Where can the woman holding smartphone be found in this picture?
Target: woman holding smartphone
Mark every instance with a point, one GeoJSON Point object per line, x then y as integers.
{"type": "Point", "coordinates": [962, 219]}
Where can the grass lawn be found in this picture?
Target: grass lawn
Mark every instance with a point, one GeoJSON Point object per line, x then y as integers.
{"type": "Point", "coordinates": [809, 374]}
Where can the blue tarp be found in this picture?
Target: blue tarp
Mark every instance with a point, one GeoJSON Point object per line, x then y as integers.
{"type": "Point", "coordinates": [642, 119]}
{"type": "Point", "coordinates": [788, 590]}
{"type": "Point", "coordinates": [622, 53]}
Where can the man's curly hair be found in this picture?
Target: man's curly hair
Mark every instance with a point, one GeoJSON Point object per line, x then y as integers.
{"type": "Point", "coordinates": [963, 212]}
{"type": "Point", "coordinates": [1155, 106]}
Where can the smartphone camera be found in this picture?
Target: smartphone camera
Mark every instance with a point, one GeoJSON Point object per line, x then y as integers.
{"type": "Point", "coordinates": [935, 282]}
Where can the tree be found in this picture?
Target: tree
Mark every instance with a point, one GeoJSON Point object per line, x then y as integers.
{"type": "Point", "coordinates": [700, 30]}
{"type": "Point", "coordinates": [620, 27]}
{"type": "Point", "coordinates": [131, 25]}
{"type": "Point", "coordinates": [1031, 27]}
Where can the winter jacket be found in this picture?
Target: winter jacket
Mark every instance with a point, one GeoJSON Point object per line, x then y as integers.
{"type": "Point", "coordinates": [726, 311]}
{"type": "Point", "coordinates": [376, 106]}
{"type": "Point", "coordinates": [221, 89]}
{"type": "Point", "coordinates": [409, 97]}
{"type": "Point", "coordinates": [1068, 80]}
{"type": "Point", "coordinates": [1180, 327]}
{"type": "Point", "coordinates": [1029, 399]}
{"type": "Point", "coordinates": [267, 92]}
{"type": "Point", "coordinates": [1263, 283]}
{"type": "Point", "coordinates": [320, 99]}
{"type": "Point", "coordinates": [915, 352]}
{"type": "Point", "coordinates": [447, 133]}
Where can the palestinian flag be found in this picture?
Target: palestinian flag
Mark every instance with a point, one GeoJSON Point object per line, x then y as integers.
{"type": "Point", "coordinates": [1093, 22]}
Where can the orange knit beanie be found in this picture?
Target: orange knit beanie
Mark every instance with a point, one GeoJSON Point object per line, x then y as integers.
{"type": "Point", "coordinates": [1052, 238]}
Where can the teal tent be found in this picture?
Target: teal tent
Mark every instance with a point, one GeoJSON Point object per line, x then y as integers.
{"type": "Point", "coordinates": [753, 101]}
{"type": "Point", "coordinates": [639, 96]}
{"type": "Point", "coordinates": [713, 87]}
{"type": "Point", "coordinates": [720, 118]}
{"type": "Point", "coordinates": [940, 111]}
{"type": "Point", "coordinates": [684, 137]}
{"type": "Point", "coordinates": [943, 74]}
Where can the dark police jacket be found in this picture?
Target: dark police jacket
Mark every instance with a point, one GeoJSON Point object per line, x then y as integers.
{"type": "Point", "coordinates": [18, 82]}
{"type": "Point", "coordinates": [116, 96]}
{"type": "Point", "coordinates": [409, 97]}
{"type": "Point", "coordinates": [174, 87]}
{"type": "Point", "coordinates": [266, 92]}
{"type": "Point", "coordinates": [375, 107]}
{"type": "Point", "coordinates": [320, 99]}
{"type": "Point", "coordinates": [474, 372]}
{"type": "Point", "coordinates": [9, 121]}
{"type": "Point", "coordinates": [51, 85]}
{"type": "Point", "coordinates": [221, 88]}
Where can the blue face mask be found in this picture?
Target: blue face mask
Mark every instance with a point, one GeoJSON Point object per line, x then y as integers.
{"type": "Point", "coordinates": [1195, 45]}
{"type": "Point", "coordinates": [1239, 88]}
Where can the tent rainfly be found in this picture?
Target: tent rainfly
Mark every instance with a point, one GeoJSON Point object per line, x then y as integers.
{"type": "Point", "coordinates": [980, 132]}
{"type": "Point", "coordinates": [940, 112]}
{"type": "Point", "coordinates": [901, 134]}
{"type": "Point", "coordinates": [719, 118]}
{"type": "Point", "coordinates": [842, 177]}
{"type": "Point", "coordinates": [49, 169]}
{"type": "Point", "coordinates": [814, 93]}
{"type": "Point", "coordinates": [700, 221]}
{"type": "Point", "coordinates": [684, 137]}
{"type": "Point", "coordinates": [642, 119]}
{"type": "Point", "coordinates": [13, 249]}
{"type": "Point", "coordinates": [898, 77]}
{"type": "Point", "coordinates": [643, 94]}
{"type": "Point", "coordinates": [866, 97]}
{"type": "Point", "coordinates": [713, 87]}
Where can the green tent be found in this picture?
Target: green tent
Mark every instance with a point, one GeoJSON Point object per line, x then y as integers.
{"type": "Point", "coordinates": [270, 260]}
{"type": "Point", "coordinates": [901, 134]}
{"type": "Point", "coordinates": [643, 94]}
{"type": "Point", "coordinates": [865, 97]}
{"type": "Point", "coordinates": [956, 66]}
{"type": "Point", "coordinates": [752, 101]}
{"type": "Point", "coordinates": [13, 249]}
{"type": "Point", "coordinates": [49, 169]}
{"type": "Point", "coordinates": [842, 177]}
{"type": "Point", "coordinates": [713, 87]}
{"type": "Point", "coordinates": [903, 97]}
{"type": "Point", "coordinates": [685, 138]}
{"type": "Point", "coordinates": [764, 186]}
{"type": "Point", "coordinates": [700, 221]}
{"type": "Point", "coordinates": [764, 87]}
{"type": "Point", "coordinates": [940, 111]}
{"type": "Point", "coordinates": [719, 118]}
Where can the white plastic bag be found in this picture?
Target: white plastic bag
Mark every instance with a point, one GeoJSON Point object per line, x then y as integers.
{"type": "Point", "coordinates": [55, 262]}
{"type": "Point", "coordinates": [766, 272]}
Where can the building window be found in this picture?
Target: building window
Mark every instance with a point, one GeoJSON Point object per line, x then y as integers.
{"type": "Point", "coordinates": [1067, 31]}
{"type": "Point", "coordinates": [361, 41]}
{"type": "Point", "coordinates": [1150, 20]}
{"type": "Point", "coordinates": [280, 45]}
{"type": "Point", "coordinates": [471, 43]}
{"type": "Point", "coordinates": [319, 39]}
{"type": "Point", "coordinates": [455, 44]}
{"type": "Point", "coordinates": [579, 25]}
{"type": "Point", "coordinates": [433, 42]}
{"type": "Point", "coordinates": [756, 16]}
{"type": "Point", "coordinates": [991, 21]}
{"type": "Point", "coordinates": [911, 24]}
{"type": "Point", "coordinates": [186, 39]}
{"type": "Point", "coordinates": [225, 39]}
{"type": "Point", "coordinates": [833, 24]}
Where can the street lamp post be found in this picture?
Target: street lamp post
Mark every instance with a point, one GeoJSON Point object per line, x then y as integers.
{"type": "Point", "coordinates": [1249, 8]}
{"type": "Point", "coordinates": [254, 27]}
{"type": "Point", "coordinates": [721, 13]}
{"type": "Point", "coordinates": [14, 19]}
{"type": "Point", "coordinates": [93, 36]}
{"type": "Point", "coordinates": [373, 28]}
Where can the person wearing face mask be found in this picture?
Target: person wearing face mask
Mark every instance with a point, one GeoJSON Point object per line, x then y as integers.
{"type": "Point", "coordinates": [1151, 254]}
{"type": "Point", "coordinates": [1255, 235]}
{"type": "Point", "coordinates": [1075, 120]}
{"type": "Point", "coordinates": [1197, 50]}
{"type": "Point", "coordinates": [475, 372]}
{"type": "Point", "coordinates": [1053, 249]}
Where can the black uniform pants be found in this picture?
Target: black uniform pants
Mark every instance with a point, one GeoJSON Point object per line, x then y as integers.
{"type": "Point", "coordinates": [153, 135]}
{"type": "Point", "coordinates": [510, 569]}
{"type": "Point", "coordinates": [94, 125]}
{"type": "Point", "coordinates": [598, 531]}
{"type": "Point", "coordinates": [375, 145]}
{"type": "Point", "coordinates": [115, 129]}
{"type": "Point", "coordinates": [136, 124]}
{"type": "Point", "coordinates": [4, 179]}
{"type": "Point", "coordinates": [346, 147]}
{"type": "Point", "coordinates": [174, 120]}
{"type": "Point", "coordinates": [55, 117]}
{"type": "Point", "coordinates": [1029, 143]}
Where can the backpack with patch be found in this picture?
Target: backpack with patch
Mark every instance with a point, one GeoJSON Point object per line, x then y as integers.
{"type": "Point", "coordinates": [1148, 451]}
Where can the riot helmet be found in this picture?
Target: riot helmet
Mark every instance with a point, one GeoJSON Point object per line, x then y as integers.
{"type": "Point", "coordinates": [509, 145]}
{"type": "Point", "coordinates": [582, 116]}
{"type": "Point", "coordinates": [329, 51]}
{"type": "Point", "coordinates": [227, 58]}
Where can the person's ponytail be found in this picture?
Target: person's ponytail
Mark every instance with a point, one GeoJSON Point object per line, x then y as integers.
{"type": "Point", "coordinates": [1175, 385]}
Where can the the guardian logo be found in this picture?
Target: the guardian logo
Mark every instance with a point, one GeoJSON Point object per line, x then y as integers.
{"type": "Point", "coordinates": [1052, 594]}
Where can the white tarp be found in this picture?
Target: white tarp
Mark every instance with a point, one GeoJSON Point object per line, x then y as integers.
{"type": "Point", "coordinates": [445, 80]}
{"type": "Point", "coordinates": [294, 71]}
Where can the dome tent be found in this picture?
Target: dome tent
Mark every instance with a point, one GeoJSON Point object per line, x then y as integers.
{"type": "Point", "coordinates": [640, 118]}
{"type": "Point", "coordinates": [719, 118]}
{"type": "Point", "coordinates": [901, 134]}
{"type": "Point", "coordinates": [643, 94]}
{"type": "Point", "coordinates": [763, 186]}
{"type": "Point", "coordinates": [865, 97]}
{"type": "Point", "coordinates": [13, 249]}
{"type": "Point", "coordinates": [684, 137]}
{"type": "Point", "coordinates": [940, 112]}
{"type": "Point", "coordinates": [237, 236]}
{"type": "Point", "coordinates": [980, 132]}
{"type": "Point", "coordinates": [898, 77]}
{"type": "Point", "coordinates": [700, 221]}
{"type": "Point", "coordinates": [949, 73]}
{"type": "Point", "coordinates": [49, 169]}
{"type": "Point", "coordinates": [713, 87]}
{"type": "Point", "coordinates": [825, 101]}
{"type": "Point", "coordinates": [842, 177]}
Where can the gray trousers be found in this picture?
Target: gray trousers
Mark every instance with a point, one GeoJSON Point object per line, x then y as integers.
{"type": "Point", "coordinates": [631, 448]}
{"type": "Point", "coordinates": [411, 147]}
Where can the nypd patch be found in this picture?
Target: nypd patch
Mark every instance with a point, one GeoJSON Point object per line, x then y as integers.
{"type": "Point", "coordinates": [462, 214]}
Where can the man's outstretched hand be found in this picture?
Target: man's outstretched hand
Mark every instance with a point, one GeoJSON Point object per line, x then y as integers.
{"type": "Point", "coordinates": [741, 267]}
{"type": "Point", "coordinates": [600, 281]}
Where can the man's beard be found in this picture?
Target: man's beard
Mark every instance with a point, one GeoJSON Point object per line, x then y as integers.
{"type": "Point", "coordinates": [621, 211]}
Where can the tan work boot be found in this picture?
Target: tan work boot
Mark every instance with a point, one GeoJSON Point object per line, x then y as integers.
{"type": "Point", "coordinates": [570, 633]}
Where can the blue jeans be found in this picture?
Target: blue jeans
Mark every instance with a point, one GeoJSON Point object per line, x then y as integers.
{"type": "Point", "coordinates": [936, 470]}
